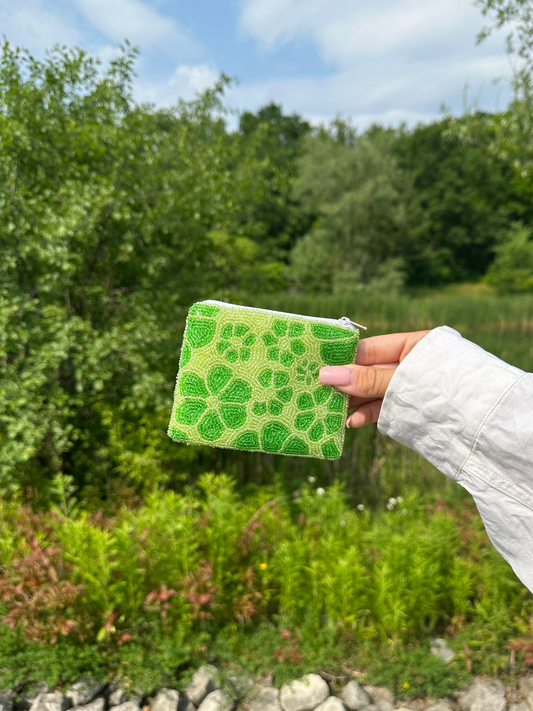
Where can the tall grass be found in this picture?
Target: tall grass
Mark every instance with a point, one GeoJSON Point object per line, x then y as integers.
{"type": "Point", "coordinates": [501, 325]}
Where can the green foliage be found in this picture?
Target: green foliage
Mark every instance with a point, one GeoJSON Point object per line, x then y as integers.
{"type": "Point", "coordinates": [271, 648]}
{"type": "Point", "coordinates": [113, 218]}
{"type": "Point", "coordinates": [511, 131]}
{"type": "Point", "coordinates": [468, 197]}
{"type": "Point", "coordinates": [416, 673]}
{"type": "Point", "coordinates": [268, 144]}
{"type": "Point", "coordinates": [369, 216]}
{"type": "Point", "coordinates": [512, 270]}
{"type": "Point", "coordinates": [28, 663]}
{"type": "Point", "coordinates": [276, 576]}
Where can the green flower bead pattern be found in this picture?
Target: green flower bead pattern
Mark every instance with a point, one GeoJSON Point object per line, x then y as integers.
{"type": "Point", "coordinates": [283, 342]}
{"type": "Point", "coordinates": [201, 327]}
{"type": "Point", "coordinates": [204, 310]}
{"type": "Point", "coordinates": [235, 342]}
{"type": "Point", "coordinates": [307, 372]}
{"type": "Point", "coordinates": [278, 392]}
{"type": "Point", "coordinates": [213, 404]}
{"type": "Point", "coordinates": [340, 346]}
{"type": "Point", "coordinates": [275, 438]}
{"type": "Point", "coordinates": [321, 416]}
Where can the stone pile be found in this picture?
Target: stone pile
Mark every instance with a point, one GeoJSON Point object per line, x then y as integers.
{"type": "Point", "coordinates": [310, 693]}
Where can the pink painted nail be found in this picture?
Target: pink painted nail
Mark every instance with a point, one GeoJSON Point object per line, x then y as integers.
{"type": "Point", "coordinates": [335, 375]}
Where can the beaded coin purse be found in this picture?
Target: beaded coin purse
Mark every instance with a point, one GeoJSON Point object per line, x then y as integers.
{"type": "Point", "coordinates": [248, 379]}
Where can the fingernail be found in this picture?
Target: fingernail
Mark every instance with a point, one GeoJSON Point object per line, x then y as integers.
{"type": "Point", "coordinates": [335, 375]}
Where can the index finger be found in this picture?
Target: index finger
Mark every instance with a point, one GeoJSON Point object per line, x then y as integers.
{"type": "Point", "coordinates": [390, 348]}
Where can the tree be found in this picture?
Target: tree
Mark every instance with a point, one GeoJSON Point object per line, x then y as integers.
{"type": "Point", "coordinates": [267, 145]}
{"type": "Point", "coordinates": [370, 221]}
{"type": "Point", "coordinates": [512, 270]}
{"type": "Point", "coordinates": [512, 130]}
{"type": "Point", "coordinates": [110, 223]}
{"type": "Point", "coordinates": [469, 198]}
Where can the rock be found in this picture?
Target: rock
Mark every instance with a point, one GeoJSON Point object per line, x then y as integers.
{"type": "Point", "coordinates": [354, 697]}
{"type": "Point", "coordinates": [304, 694]}
{"type": "Point", "coordinates": [83, 691]}
{"type": "Point", "coordinates": [217, 701]}
{"type": "Point", "coordinates": [29, 696]}
{"type": "Point", "coordinates": [439, 648]}
{"type": "Point", "coordinates": [50, 702]}
{"type": "Point", "coordinates": [484, 695]}
{"type": "Point", "coordinates": [202, 684]}
{"type": "Point", "coordinates": [95, 705]}
{"type": "Point", "coordinates": [266, 700]}
{"type": "Point", "coordinates": [165, 700]}
{"type": "Point", "coordinates": [525, 685]}
{"type": "Point", "coordinates": [6, 701]}
{"type": "Point", "coordinates": [529, 700]}
{"type": "Point", "coordinates": [441, 705]}
{"type": "Point", "coordinates": [519, 707]}
{"type": "Point", "coordinates": [185, 704]}
{"type": "Point", "coordinates": [379, 693]}
{"type": "Point", "coordinates": [332, 703]}
{"type": "Point", "coordinates": [117, 697]}
{"type": "Point", "coordinates": [384, 705]}
{"type": "Point", "coordinates": [128, 706]}
{"type": "Point", "coordinates": [241, 685]}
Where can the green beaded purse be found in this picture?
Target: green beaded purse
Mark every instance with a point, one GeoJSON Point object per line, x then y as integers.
{"type": "Point", "coordinates": [248, 379]}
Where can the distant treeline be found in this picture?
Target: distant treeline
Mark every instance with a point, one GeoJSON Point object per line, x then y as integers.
{"type": "Point", "coordinates": [115, 217]}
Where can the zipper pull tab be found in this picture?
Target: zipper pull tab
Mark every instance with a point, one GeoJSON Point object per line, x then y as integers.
{"type": "Point", "coordinates": [345, 319]}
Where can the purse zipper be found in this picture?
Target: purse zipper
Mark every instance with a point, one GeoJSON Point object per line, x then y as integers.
{"type": "Point", "coordinates": [344, 320]}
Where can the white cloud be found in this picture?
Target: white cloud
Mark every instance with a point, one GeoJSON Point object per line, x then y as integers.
{"type": "Point", "coordinates": [136, 21]}
{"type": "Point", "coordinates": [29, 24]}
{"type": "Point", "coordinates": [380, 93]}
{"type": "Point", "coordinates": [185, 83]}
{"type": "Point", "coordinates": [391, 60]}
{"type": "Point", "coordinates": [346, 30]}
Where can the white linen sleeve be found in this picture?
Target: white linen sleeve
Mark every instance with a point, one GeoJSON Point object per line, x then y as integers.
{"type": "Point", "coordinates": [471, 415]}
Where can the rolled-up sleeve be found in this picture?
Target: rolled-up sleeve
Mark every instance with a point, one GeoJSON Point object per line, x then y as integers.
{"type": "Point", "coordinates": [471, 415]}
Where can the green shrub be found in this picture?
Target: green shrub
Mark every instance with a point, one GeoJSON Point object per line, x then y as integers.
{"type": "Point", "coordinates": [512, 269]}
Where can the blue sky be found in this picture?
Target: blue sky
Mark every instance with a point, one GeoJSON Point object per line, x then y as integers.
{"type": "Point", "coordinates": [383, 61]}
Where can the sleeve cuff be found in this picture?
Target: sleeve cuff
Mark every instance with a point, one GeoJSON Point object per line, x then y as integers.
{"type": "Point", "coordinates": [440, 396]}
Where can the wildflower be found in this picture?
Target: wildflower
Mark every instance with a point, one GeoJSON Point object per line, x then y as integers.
{"type": "Point", "coordinates": [320, 491]}
{"type": "Point", "coordinates": [399, 499]}
{"type": "Point", "coordinates": [311, 479]}
{"type": "Point", "coordinates": [263, 566]}
{"type": "Point", "coordinates": [404, 511]}
{"type": "Point", "coordinates": [393, 501]}
{"type": "Point", "coordinates": [360, 507]}
{"type": "Point", "coordinates": [390, 506]}
{"type": "Point", "coordinates": [406, 685]}
{"type": "Point", "coordinates": [343, 523]}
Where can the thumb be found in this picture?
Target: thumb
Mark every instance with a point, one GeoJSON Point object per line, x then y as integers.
{"type": "Point", "coordinates": [362, 381]}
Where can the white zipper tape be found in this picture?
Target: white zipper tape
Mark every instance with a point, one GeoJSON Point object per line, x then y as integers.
{"type": "Point", "coordinates": [344, 320]}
